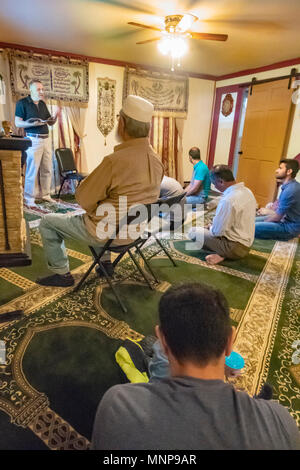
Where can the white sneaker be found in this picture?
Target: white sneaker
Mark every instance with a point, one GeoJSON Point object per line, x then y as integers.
{"type": "Point", "coordinates": [49, 199]}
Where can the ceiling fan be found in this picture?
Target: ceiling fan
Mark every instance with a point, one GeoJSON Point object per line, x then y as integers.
{"type": "Point", "coordinates": [179, 24]}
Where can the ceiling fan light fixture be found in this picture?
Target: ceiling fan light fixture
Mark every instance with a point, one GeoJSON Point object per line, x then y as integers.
{"type": "Point", "coordinates": [174, 45]}
{"type": "Point", "coordinates": [164, 45]}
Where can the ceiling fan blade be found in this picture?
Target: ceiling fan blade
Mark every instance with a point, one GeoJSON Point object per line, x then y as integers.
{"type": "Point", "coordinates": [254, 24]}
{"type": "Point", "coordinates": [148, 40]}
{"type": "Point", "coordinates": [210, 36]}
{"type": "Point", "coordinates": [144, 26]}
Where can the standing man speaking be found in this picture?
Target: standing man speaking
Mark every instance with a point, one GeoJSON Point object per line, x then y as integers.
{"type": "Point", "coordinates": [32, 115]}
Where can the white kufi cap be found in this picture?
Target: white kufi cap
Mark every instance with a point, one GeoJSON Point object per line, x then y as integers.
{"type": "Point", "coordinates": [138, 108]}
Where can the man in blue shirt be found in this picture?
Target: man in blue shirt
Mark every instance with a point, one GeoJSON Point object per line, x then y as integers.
{"type": "Point", "coordinates": [197, 190]}
{"type": "Point", "coordinates": [285, 223]}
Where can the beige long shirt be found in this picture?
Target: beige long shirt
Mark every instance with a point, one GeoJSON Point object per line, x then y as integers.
{"type": "Point", "coordinates": [132, 170]}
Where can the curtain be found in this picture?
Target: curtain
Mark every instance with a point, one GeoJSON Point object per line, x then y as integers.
{"type": "Point", "coordinates": [179, 123]}
{"type": "Point", "coordinates": [8, 105]}
{"type": "Point", "coordinates": [61, 135]}
{"type": "Point", "coordinates": [77, 116]}
{"type": "Point", "coordinates": [2, 99]}
{"type": "Point", "coordinates": [166, 139]}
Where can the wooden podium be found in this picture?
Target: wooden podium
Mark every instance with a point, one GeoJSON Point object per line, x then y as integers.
{"type": "Point", "coordinates": [14, 235]}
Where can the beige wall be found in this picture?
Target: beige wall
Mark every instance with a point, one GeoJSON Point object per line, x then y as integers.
{"type": "Point", "coordinates": [94, 140]}
{"type": "Point", "coordinates": [224, 134]}
{"type": "Point", "coordinates": [5, 109]}
{"type": "Point", "coordinates": [258, 76]}
{"type": "Point", "coordinates": [197, 125]}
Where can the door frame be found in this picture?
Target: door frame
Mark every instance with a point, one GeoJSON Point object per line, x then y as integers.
{"type": "Point", "coordinates": [215, 124]}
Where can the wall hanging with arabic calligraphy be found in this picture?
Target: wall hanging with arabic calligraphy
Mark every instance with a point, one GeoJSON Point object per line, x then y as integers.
{"type": "Point", "coordinates": [106, 94]}
{"type": "Point", "coordinates": [64, 79]}
{"type": "Point", "coordinates": [168, 93]}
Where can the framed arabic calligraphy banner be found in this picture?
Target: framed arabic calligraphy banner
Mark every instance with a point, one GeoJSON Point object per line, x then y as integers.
{"type": "Point", "coordinates": [63, 79]}
{"type": "Point", "coordinates": [106, 94]}
{"type": "Point", "coordinates": [168, 93]}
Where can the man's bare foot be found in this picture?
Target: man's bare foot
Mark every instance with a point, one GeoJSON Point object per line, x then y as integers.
{"type": "Point", "coordinates": [214, 259]}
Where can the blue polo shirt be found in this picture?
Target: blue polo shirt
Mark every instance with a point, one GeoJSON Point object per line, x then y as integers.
{"type": "Point", "coordinates": [289, 206]}
{"type": "Point", "coordinates": [201, 173]}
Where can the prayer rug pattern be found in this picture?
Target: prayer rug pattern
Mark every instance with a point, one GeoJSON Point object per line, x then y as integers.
{"type": "Point", "coordinates": [60, 355]}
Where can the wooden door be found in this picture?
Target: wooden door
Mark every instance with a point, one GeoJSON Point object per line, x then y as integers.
{"type": "Point", "coordinates": [266, 123]}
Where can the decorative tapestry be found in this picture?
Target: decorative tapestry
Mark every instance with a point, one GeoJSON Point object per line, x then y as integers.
{"type": "Point", "coordinates": [64, 79]}
{"type": "Point", "coordinates": [106, 93]}
{"type": "Point", "coordinates": [168, 93]}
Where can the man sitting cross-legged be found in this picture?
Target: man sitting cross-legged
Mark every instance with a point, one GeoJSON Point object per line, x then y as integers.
{"type": "Point", "coordinates": [231, 233]}
{"type": "Point", "coordinates": [132, 171]}
{"type": "Point", "coordinates": [284, 223]}
{"type": "Point", "coordinates": [198, 189]}
{"type": "Point", "coordinates": [194, 408]}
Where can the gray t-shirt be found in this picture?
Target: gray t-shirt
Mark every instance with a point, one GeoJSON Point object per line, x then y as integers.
{"type": "Point", "coordinates": [186, 413]}
{"type": "Point", "coordinates": [169, 187]}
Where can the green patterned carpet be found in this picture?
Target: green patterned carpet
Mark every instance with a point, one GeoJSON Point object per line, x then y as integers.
{"type": "Point", "coordinates": [60, 355]}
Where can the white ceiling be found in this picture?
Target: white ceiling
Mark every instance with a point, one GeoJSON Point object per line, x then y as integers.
{"type": "Point", "coordinates": [261, 32]}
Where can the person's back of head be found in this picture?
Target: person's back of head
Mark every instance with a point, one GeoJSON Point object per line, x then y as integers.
{"type": "Point", "coordinates": [222, 172]}
{"type": "Point", "coordinates": [222, 177]}
{"type": "Point", "coordinates": [134, 128]}
{"type": "Point", "coordinates": [137, 114]}
{"type": "Point", "coordinates": [195, 322]}
{"type": "Point", "coordinates": [194, 153]}
{"type": "Point", "coordinates": [291, 164]}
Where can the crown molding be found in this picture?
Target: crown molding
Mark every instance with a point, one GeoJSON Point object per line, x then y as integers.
{"type": "Point", "coordinates": [120, 63]}
{"type": "Point", "coordinates": [99, 60]}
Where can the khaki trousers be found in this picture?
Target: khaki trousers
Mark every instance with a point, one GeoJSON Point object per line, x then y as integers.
{"type": "Point", "coordinates": [39, 159]}
{"type": "Point", "coordinates": [221, 245]}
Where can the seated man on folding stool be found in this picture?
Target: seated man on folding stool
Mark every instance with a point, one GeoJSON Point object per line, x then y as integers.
{"type": "Point", "coordinates": [133, 170]}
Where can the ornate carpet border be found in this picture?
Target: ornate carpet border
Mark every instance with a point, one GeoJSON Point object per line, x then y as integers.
{"type": "Point", "coordinates": [255, 344]}
{"type": "Point", "coordinates": [257, 328]}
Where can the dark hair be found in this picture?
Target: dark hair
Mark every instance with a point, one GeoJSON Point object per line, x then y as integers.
{"type": "Point", "coordinates": [194, 319]}
{"type": "Point", "coordinates": [34, 80]}
{"type": "Point", "coordinates": [222, 172]}
{"type": "Point", "coordinates": [291, 164]}
{"type": "Point", "coordinates": [195, 153]}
